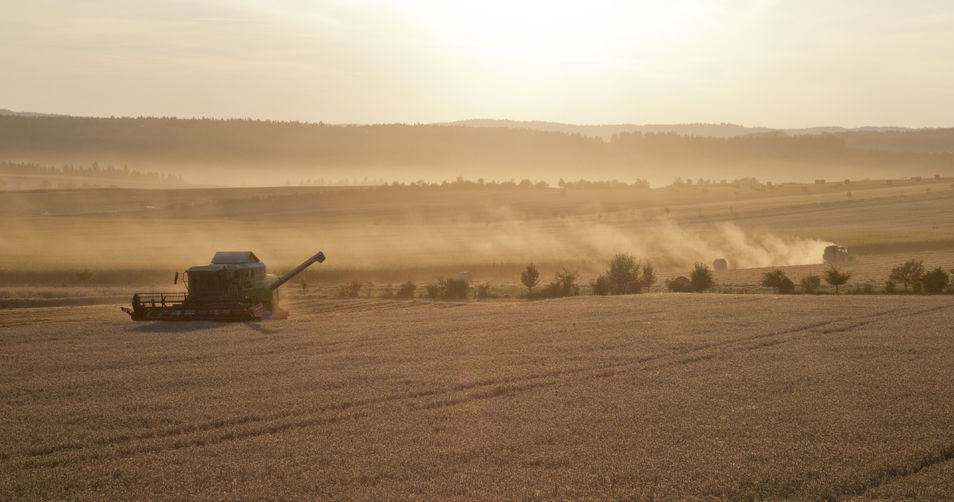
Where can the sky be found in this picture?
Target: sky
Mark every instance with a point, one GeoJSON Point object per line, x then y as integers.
{"type": "Point", "coordinates": [751, 62]}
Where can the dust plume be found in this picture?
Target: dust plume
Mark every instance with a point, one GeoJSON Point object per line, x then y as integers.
{"type": "Point", "coordinates": [107, 243]}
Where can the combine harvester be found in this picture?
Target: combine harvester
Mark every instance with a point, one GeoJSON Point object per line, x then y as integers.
{"type": "Point", "coordinates": [234, 287]}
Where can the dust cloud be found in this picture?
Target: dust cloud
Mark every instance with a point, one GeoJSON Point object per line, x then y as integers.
{"type": "Point", "coordinates": [665, 244]}
{"type": "Point", "coordinates": [168, 244]}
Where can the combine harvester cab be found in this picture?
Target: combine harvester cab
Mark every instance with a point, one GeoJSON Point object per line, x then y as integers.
{"type": "Point", "coordinates": [234, 287]}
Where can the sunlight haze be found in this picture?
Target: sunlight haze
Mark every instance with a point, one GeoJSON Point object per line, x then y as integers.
{"type": "Point", "coordinates": [753, 62]}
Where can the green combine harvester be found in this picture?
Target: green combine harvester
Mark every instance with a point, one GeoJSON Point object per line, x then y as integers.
{"type": "Point", "coordinates": [234, 287]}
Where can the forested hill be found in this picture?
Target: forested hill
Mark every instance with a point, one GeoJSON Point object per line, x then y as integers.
{"type": "Point", "coordinates": [399, 151]}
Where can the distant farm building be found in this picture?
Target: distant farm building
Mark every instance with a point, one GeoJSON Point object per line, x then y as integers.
{"type": "Point", "coordinates": [720, 265]}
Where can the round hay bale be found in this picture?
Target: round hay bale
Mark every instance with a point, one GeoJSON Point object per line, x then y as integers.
{"type": "Point", "coordinates": [720, 265]}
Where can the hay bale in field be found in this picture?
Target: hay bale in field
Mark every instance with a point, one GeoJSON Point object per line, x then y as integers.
{"type": "Point", "coordinates": [720, 265]}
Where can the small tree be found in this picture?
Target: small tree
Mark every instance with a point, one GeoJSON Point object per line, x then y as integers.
{"type": "Point", "coordinates": [810, 284]}
{"type": "Point", "coordinates": [567, 282]}
{"type": "Point", "coordinates": [679, 285]}
{"type": "Point", "coordinates": [530, 277]}
{"type": "Point", "coordinates": [600, 286]}
{"type": "Point", "coordinates": [836, 278]}
{"type": "Point", "coordinates": [908, 273]}
{"type": "Point", "coordinates": [627, 276]}
{"type": "Point", "coordinates": [935, 281]}
{"type": "Point", "coordinates": [701, 278]}
{"type": "Point", "coordinates": [649, 276]}
{"type": "Point", "coordinates": [778, 281]}
{"type": "Point", "coordinates": [623, 275]}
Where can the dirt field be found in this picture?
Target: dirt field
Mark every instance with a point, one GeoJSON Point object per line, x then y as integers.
{"type": "Point", "coordinates": [645, 396]}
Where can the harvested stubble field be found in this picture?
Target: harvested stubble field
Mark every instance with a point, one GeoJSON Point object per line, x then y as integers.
{"type": "Point", "coordinates": [659, 395]}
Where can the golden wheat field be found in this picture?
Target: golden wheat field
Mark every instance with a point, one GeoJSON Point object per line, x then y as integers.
{"type": "Point", "coordinates": [652, 396]}
{"type": "Point", "coordinates": [644, 396]}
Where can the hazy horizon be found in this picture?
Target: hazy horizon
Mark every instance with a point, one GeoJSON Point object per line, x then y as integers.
{"type": "Point", "coordinates": [760, 63]}
{"type": "Point", "coordinates": [467, 121]}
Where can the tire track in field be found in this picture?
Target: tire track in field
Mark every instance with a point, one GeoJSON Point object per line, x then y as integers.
{"type": "Point", "coordinates": [259, 425]}
{"type": "Point", "coordinates": [891, 473]}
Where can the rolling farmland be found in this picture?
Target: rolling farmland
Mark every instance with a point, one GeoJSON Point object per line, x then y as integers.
{"type": "Point", "coordinates": [659, 395]}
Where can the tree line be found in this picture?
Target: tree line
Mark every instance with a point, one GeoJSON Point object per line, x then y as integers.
{"type": "Point", "coordinates": [254, 142]}
{"type": "Point", "coordinates": [92, 171]}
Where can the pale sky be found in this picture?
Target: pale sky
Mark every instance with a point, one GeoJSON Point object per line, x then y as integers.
{"type": "Point", "coordinates": [775, 63]}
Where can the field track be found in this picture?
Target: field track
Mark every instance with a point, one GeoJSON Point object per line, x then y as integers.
{"type": "Point", "coordinates": [646, 396]}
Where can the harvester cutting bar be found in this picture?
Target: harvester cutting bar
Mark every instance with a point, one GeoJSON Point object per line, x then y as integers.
{"type": "Point", "coordinates": [158, 299]}
{"type": "Point", "coordinates": [320, 257]}
{"type": "Point", "coordinates": [222, 311]}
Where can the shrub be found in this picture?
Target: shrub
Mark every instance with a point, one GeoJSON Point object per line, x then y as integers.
{"type": "Point", "coordinates": [778, 281]}
{"type": "Point", "coordinates": [448, 288]}
{"type": "Point", "coordinates": [935, 281]}
{"type": "Point", "coordinates": [564, 284]}
{"type": "Point", "coordinates": [388, 291]}
{"type": "Point", "coordinates": [483, 290]}
{"type": "Point", "coordinates": [435, 289]}
{"type": "Point", "coordinates": [701, 278]}
{"type": "Point", "coordinates": [836, 278]}
{"type": "Point", "coordinates": [351, 290]}
{"type": "Point", "coordinates": [406, 290]}
{"type": "Point", "coordinates": [679, 285]}
{"type": "Point", "coordinates": [908, 273]}
{"type": "Point", "coordinates": [530, 277]}
{"type": "Point", "coordinates": [890, 287]}
{"type": "Point", "coordinates": [864, 289]}
{"type": "Point", "coordinates": [810, 284]}
{"type": "Point", "coordinates": [83, 276]}
{"type": "Point", "coordinates": [456, 288]}
{"type": "Point", "coordinates": [600, 286]}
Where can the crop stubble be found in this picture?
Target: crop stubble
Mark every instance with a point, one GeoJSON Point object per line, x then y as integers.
{"type": "Point", "coordinates": [650, 395]}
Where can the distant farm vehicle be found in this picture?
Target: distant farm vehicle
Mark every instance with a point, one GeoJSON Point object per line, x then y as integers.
{"type": "Point", "coordinates": [234, 287]}
{"type": "Point", "coordinates": [837, 254]}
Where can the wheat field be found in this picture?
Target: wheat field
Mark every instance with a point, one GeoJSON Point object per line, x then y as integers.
{"type": "Point", "coordinates": [645, 396]}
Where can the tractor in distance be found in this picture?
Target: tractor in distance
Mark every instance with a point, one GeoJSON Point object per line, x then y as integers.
{"type": "Point", "coordinates": [835, 254]}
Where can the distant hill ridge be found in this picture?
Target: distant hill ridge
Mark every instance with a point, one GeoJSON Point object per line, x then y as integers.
{"type": "Point", "coordinates": [606, 131]}
{"type": "Point", "coordinates": [209, 151]}
{"type": "Point", "coordinates": [4, 111]}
